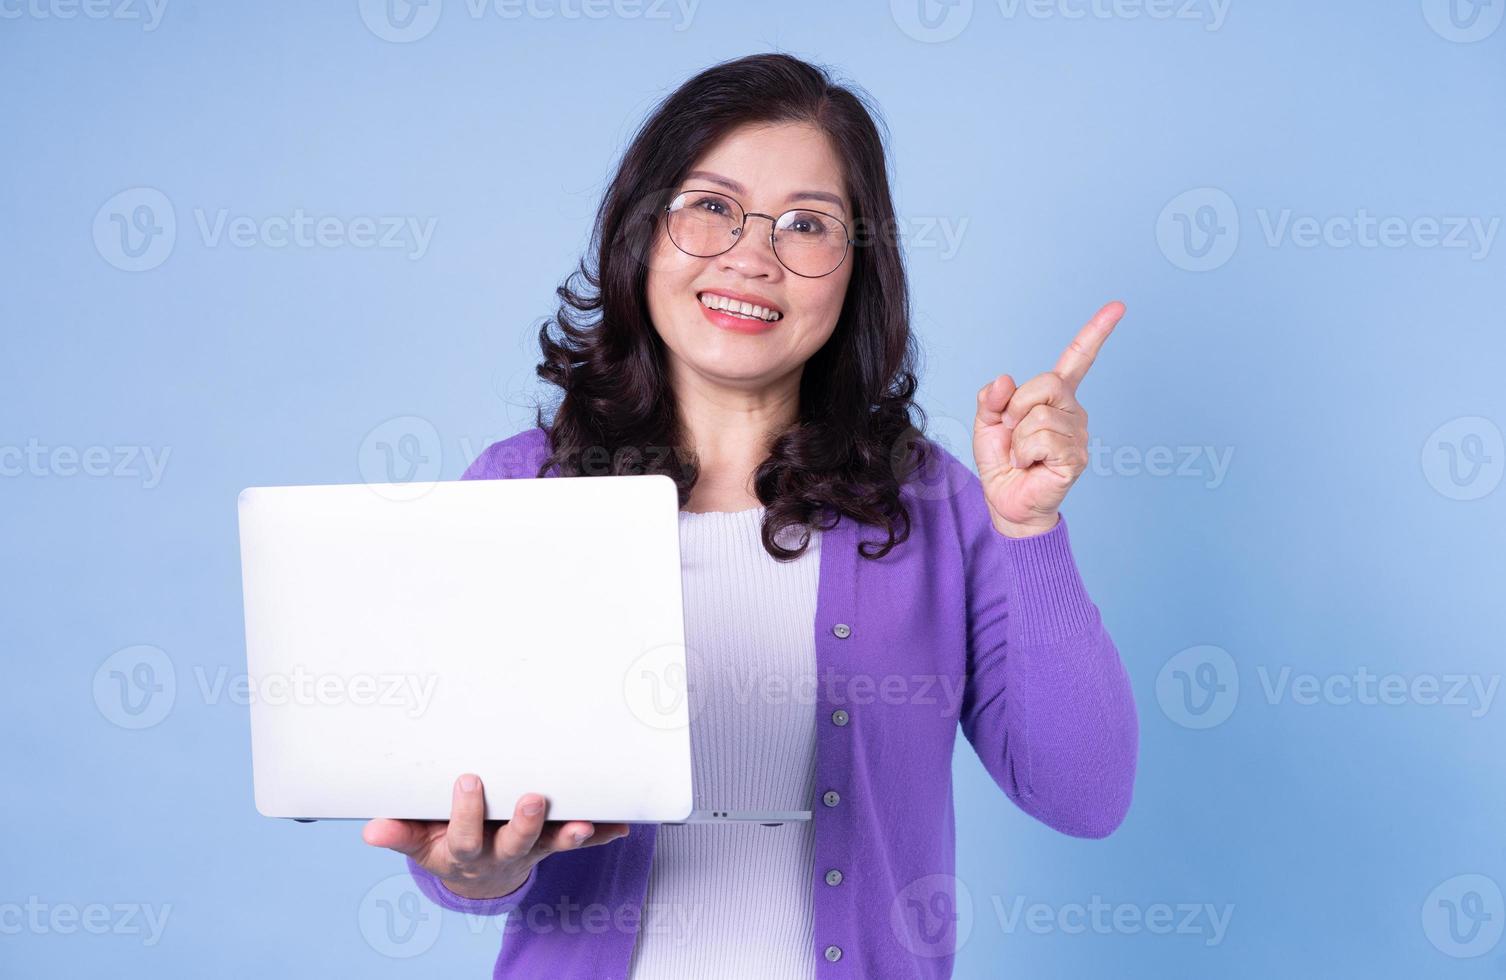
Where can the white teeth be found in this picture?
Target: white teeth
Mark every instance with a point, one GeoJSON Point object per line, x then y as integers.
{"type": "Point", "coordinates": [737, 308]}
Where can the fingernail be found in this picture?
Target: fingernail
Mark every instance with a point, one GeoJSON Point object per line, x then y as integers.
{"type": "Point", "coordinates": [534, 806]}
{"type": "Point", "coordinates": [581, 835]}
{"type": "Point", "coordinates": [468, 784]}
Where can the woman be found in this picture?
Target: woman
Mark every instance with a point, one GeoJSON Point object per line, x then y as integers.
{"type": "Point", "coordinates": [740, 309]}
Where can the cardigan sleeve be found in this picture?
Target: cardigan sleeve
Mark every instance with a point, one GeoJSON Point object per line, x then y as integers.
{"type": "Point", "coordinates": [517, 456]}
{"type": "Point", "coordinates": [431, 885]}
{"type": "Point", "coordinates": [499, 461]}
{"type": "Point", "coordinates": [1048, 705]}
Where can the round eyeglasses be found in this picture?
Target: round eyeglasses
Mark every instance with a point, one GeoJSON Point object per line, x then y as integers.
{"type": "Point", "coordinates": [811, 244]}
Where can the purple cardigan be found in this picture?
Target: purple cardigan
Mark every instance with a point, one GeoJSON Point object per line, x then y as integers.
{"type": "Point", "coordinates": [1003, 624]}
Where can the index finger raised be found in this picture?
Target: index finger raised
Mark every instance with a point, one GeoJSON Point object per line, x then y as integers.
{"type": "Point", "coordinates": [1078, 357]}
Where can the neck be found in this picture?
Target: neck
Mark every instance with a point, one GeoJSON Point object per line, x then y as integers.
{"type": "Point", "coordinates": [731, 429]}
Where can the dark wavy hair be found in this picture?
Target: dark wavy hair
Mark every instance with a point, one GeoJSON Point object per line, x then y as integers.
{"type": "Point", "coordinates": [853, 444]}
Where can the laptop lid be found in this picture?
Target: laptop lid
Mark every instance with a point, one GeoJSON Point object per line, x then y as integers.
{"type": "Point", "coordinates": [529, 630]}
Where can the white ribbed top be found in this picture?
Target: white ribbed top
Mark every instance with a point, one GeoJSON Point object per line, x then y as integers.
{"type": "Point", "coordinates": [734, 900]}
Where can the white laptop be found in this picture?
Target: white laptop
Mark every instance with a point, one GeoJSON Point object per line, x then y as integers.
{"type": "Point", "coordinates": [530, 631]}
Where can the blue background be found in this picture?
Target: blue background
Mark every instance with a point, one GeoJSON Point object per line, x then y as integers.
{"type": "Point", "coordinates": [1332, 834]}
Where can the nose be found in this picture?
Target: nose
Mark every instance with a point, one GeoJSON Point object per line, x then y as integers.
{"type": "Point", "coordinates": [753, 254]}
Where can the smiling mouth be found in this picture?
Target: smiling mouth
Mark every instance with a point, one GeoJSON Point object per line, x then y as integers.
{"type": "Point", "coordinates": [737, 308]}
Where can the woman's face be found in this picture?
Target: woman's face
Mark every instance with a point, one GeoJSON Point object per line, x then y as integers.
{"type": "Point", "coordinates": [768, 168]}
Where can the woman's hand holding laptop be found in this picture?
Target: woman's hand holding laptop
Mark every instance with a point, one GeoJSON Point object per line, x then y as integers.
{"type": "Point", "coordinates": [477, 859]}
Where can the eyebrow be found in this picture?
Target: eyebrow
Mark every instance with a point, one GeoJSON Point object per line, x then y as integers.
{"type": "Point", "coordinates": [737, 188]}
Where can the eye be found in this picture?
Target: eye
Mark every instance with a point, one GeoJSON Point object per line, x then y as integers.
{"type": "Point", "coordinates": [714, 205]}
{"type": "Point", "coordinates": [805, 223]}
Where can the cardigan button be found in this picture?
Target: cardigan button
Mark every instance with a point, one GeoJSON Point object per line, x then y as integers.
{"type": "Point", "coordinates": [842, 630]}
{"type": "Point", "coordinates": [834, 953]}
{"type": "Point", "coordinates": [833, 877]}
{"type": "Point", "coordinates": [839, 717]}
{"type": "Point", "coordinates": [830, 798]}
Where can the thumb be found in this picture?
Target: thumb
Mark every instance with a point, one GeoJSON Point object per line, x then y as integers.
{"type": "Point", "coordinates": [404, 836]}
{"type": "Point", "coordinates": [991, 440]}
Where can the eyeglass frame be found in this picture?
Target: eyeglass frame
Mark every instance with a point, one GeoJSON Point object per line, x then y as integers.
{"type": "Point", "coordinates": [737, 233]}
